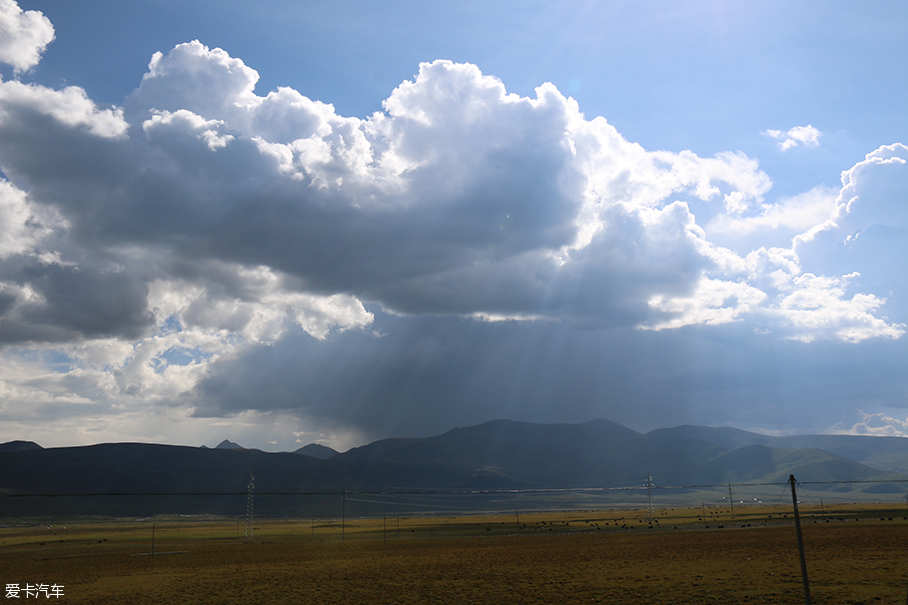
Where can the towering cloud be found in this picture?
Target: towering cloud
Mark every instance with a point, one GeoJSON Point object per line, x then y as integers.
{"type": "Point", "coordinates": [156, 243]}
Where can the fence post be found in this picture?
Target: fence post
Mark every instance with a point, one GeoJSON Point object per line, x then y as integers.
{"type": "Point", "coordinates": [794, 500]}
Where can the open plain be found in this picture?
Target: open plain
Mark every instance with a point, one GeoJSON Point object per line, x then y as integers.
{"type": "Point", "coordinates": [688, 556]}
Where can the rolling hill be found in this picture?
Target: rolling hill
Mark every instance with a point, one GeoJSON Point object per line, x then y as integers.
{"type": "Point", "coordinates": [883, 453]}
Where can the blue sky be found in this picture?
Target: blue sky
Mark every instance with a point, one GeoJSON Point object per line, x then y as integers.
{"type": "Point", "coordinates": [287, 222]}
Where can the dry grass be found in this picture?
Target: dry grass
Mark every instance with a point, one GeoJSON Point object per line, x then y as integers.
{"type": "Point", "coordinates": [553, 558]}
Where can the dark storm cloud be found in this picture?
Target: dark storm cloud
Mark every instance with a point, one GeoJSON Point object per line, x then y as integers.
{"type": "Point", "coordinates": [426, 374]}
{"type": "Point", "coordinates": [430, 374]}
{"type": "Point", "coordinates": [76, 303]}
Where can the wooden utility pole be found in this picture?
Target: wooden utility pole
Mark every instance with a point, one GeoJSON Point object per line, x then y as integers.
{"type": "Point", "coordinates": [794, 501]}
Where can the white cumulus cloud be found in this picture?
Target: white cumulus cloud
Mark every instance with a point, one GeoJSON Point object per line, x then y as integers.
{"type": "Point", "coordinates": [23, 35]}
{"type": "Point", "coordinates": [879, 424]}
{"type": "Point", "coordinates": [807, 136]}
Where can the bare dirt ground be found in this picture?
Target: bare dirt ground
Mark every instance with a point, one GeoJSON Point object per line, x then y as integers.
{"type": "Point", "coordinates": [546, 559]}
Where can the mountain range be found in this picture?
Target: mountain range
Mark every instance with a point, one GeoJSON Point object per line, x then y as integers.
{"type": "Point", "coordinates": [497, 455]}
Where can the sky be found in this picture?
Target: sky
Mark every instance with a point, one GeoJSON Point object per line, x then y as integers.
{"type": "Point", "coordinates": [288, 222]}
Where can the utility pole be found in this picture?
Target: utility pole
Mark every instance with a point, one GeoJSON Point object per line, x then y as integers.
{"type": "Point", "coordinates": [794, 501]}
{"type": "Point", "coordinates": [730, 501]}
{"type": "Point", "coordinates": [343, 513]}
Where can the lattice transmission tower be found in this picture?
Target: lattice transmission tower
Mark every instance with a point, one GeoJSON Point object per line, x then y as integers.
{"type": "Point", "coordinates": [649, 497]}
{"type": "Point", "coordinates": [249, 536]}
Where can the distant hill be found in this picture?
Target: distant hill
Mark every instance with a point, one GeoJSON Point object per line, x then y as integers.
{"type": "Point", "coordinates": [118, 472]}
{"type": "Point", "coordinates": [761, 464]}
{"type": "Point", "coordinates": [19, 446]}
{"type": "Point", "coordinates": [883, 453]}
{"type": "Point", "coordinates": [500, 454]}
{"type": "Point", "coordinates": [521, 454]}
{"type": "Point", "coordinates": [228, 445]}
{"type": "Point", "coordinates": [604, 453]}
{"type": "Point", "coordinates": [316, 450]}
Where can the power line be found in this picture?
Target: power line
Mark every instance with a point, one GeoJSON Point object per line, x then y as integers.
{"type": "Point", "coordinates": [432, 491]}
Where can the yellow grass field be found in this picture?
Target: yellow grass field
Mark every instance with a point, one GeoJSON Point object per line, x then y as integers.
{"type": "Point", "coordinates": [557, 557]}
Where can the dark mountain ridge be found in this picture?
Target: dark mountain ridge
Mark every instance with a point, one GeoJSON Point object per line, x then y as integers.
{"type": "Point", "coordinates": [501, 454]}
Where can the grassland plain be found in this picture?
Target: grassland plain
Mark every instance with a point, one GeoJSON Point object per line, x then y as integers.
{"type": "Point", "coordinates": [854, 555]}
